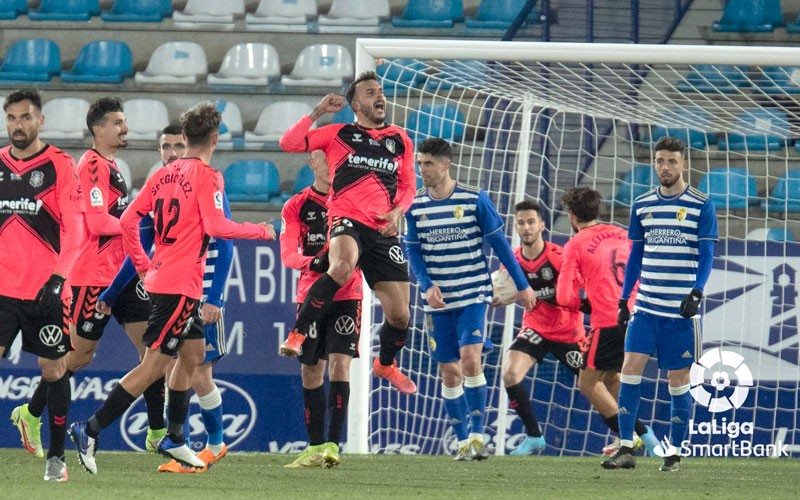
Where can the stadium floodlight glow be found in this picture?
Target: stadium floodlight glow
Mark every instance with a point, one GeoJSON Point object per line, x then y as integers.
{"type": "Point", "coordinates": [532, 119]}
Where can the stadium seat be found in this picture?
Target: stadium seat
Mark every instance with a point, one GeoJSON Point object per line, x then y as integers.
{"type": "Point", "coordinates": [175, 62]}
{"type": "Point", "coordinates": [770, 130]}
{"type": "Point", "coordinates": [65, 118]}
{"type": "Point", "coordinates": [65, 10]}
{"type": "Point", "coordinates": [637, 181]}
{"type": "Point", "coordinates": [274, 120]}
{"type": "Point", "coordinates": [438, 120]}
{"type": "Point", "coordinates": [248, 64]}
{"type": "Point", "coordinates": [714, 79]}
{"type": "Point", "coordinates": [105, 61]}
{"type": "Point", "coordinates": [10, 9]}
{"type": "Point", "coordinates": [281, 12]}
{"type": "Point", "coordinates": [138, 11]}
{"type": "Point", "coordinates": [231, 128]}
{"type": "Point", "coordinates": [780, 80]}
{"type": "Point", "coordinates": [399, 75]}
{"type": "Point", "coordinates": [356, 13]}
{"type": "Point", "coordinates": [146, 118]}
{"type": "Point", "coordinates": [785, 196]}
{"type": "Point", "coordinates": [464, 73]}
{"type": "Point", "coordinates": [693, 133]}
{"type": "Point", "coordinates": [499, 14]}
{"type": "Point", "coordinates": [748, 16]}
{"type": "Point", "coordinates": [215, 12]}
{"type": "Point", "coordinates": [344, 115]}
{"type": "Point", "coordinates": [36, 60]}
{"type": "Point", "coordinates": [430, 14]}
{"type": "Point", "coordinates": [730, 188]}
{"type": "Point", "coordinates": [795, 26]}
{"type": "Point", "coordinates": [304, 178]}
{"type": "Point", "coordinates": [252, 181]}
{"type": "Point", "coordinates": [770, 234]}
{"type": "Point", "coordinates": [321, 65]}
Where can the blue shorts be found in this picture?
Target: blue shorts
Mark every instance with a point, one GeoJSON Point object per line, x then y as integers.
{"type": "Point", "coordinates": [216, 347]}
{"type": "Point", "coordinates": [449, 331]}
{"type": "Point", "coordinates": [676, 341]}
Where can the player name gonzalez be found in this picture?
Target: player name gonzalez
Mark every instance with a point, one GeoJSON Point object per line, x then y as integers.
{"type": "Point", "coordinates": [180, 179]}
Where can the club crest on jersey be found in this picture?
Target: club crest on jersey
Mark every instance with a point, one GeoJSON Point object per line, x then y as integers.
{"type": "Point", "coordinates": [391, 145]}
{"type": "Point", "coordinates": [458, 212]}
{"type": "Point", "coordinates": [547, 273]}
{"type": "Point", "coordinates": [218, 200]}
{"type": "Point", "coordinates": [432, 344]}
{"type": "Point", "coordinates": [96, 197]}
{"type": "Point", "coordinates": [36, 178]}
{"type": "Point", "coordinates": [681, 215]}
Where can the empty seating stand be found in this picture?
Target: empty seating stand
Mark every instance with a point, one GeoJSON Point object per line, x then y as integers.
{"type": "Point", "coordinates": [730, 188]}
{"type": "Point", "coordinates": [36, 60]}
{"type": "Point", "coordinates": [637, 181]}
{"type": "Point", "coordinates": [11, 9]}
{"type": "Point", "coordinates": [769, 131]}
{"type": "Point", "coordinates": [282, 15]}
{"type": "Point", "coordinates": [65, 10]}
{"type": "Point", "coordinates": [749, 16]}
{"type": "Point", "coordinates": [104, 61]}
{"type": "Point", "coordinates": [692, 133]}
{"type": "Point", "coordinates": [500, 14]}
{"type": "Point", "coordinates": [366, 16]}
{"type": "Point", "coordinates": [430, 14]}
{"type": "Point", "coordinates": [218, 13]}
{"type": "Point", "coordinates": [252, 181]}
{"type": "Point", "coordinates": [437, 120]}
{"type": "Point", "coordinates": [175, 62]}
{"type": "Point", "coordinates": [785, 196]}
{"type": "Point", "coordinates": [137, 11]}
{"type": "Point", "coordinates": [715, 79]}
{"type": "Point", "coordinates": [321, 65]}
{"type": "Point", "coordinates": [274, 121]}
{"type": "Point", "coordinates": [254, 64]}
{"type": "Point", "coordinates": [146, 118]}
{"type": "Point", "coordinates": [62, 118]}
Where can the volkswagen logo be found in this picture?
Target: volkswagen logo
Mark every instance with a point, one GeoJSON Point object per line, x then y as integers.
{"type": "Point", "coordinates": [396, 254]}
{"type": "Point", "coordinates": [574, 359]}
{"type": "Point", "coordinates": [50, 335]}
{"type": "Point", "coordinates": [141, 292]}
{"type": "Point", "coordinates": [345, 325]}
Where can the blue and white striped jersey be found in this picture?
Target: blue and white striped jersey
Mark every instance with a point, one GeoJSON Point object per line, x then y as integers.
{"type": "Point", "coordinates": [218, 264]}
{"type": "Point", "coordinates": [671, 229]}
{"type": "Point", "coordinates": [449, 234]}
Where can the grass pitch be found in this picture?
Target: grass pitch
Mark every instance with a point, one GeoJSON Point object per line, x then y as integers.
{"type": "Point", "coordinates": [390, 477]}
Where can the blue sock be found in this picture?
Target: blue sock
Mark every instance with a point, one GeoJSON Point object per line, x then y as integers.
{"type": "Point", "coordinates": [475, 392]}
{"type": "Point", "coordinates": [456, 405]}
{"type": "Point", "coordinates": [680, 404]}
{"type": "Point", "coordinates": [211, 410]}
{"type": "Point", "coordinates": [630, 395]}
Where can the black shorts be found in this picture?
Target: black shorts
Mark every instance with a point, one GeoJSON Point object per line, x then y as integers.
{"type": "Point", "coordinates": [534, 345]}
{"type": "Point", "coordinates": [606, 349]}
{"type": "Point", "coordinates": [132, 305]}
{"type": "Point", "coordinates": [380, 258]}
{"type": "Point", "coordinates": [174, 319]}
{"type": "Point", "coordinates": [45, 336]}
{"type": "Point", "coordinates": [335, 333]}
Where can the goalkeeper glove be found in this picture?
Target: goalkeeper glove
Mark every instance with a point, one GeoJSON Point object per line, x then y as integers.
{"type": "Point", "coordinates": [319, 263]}
{"type": "Point", "coordinates": [49, 296]}
{"type": "Point", "coordinates": [585, 307]}
{"type": "Point", "coordinates": [623, 313]}
{"type": "Point", "coordinates": [691, 303]}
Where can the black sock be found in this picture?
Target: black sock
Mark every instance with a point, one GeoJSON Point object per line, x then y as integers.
{"type": "Point", "coordinates": [318, 300]}
{"type": "Point", "coordinates": [519, 400]}
{"type": "Point", "coordinates": [58, 398]}
{"type": "Point", "coordinates": [39, 399]}
{"type": "Point", "coordinates": [154, 398]}
{"type": "Point", "coordinates": [639, 427]}
{"type": "Point", "coordinates": [314, 403]}
{"type": "Point", "coordinates": [392, 341]}
{"type": "Point", "coordinates": [177, 410]}
{"type": "Point", "coordinates": [338, 398]}
{"type": "Point", "coordinates": [613, 422]}
{"type": "Point", "coordinates": [116, 404]}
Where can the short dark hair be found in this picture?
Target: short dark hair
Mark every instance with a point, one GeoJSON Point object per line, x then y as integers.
{"type": "Point", "coordinates": [670, 144]}
{"type": "Point", "coordinates": [172, 129]}
{"type": "Point", "coordinates": [363, 77]}
{"type": "Point", "coordinates": [199, 122]}
{"type": "Point", "coordinates": [99, 109]}
{"type": "Point", "coordinates": [528, 205]}
{"type": "Point", "coordinates": [435, 146]}
{"type": "Point", "coordinates": [20, 95]}
{"type": "Point", "coordinates": [584, 202]}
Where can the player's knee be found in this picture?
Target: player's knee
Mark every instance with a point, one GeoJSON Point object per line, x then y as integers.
{"type": "Point", "coordinates": [53, 371]}
{"type": "Point", "coordinates": [341, 271]}
{"type": "Point", "coordinates": [398, 317]}
{"type": "Point", "coordinates": [510, 377]}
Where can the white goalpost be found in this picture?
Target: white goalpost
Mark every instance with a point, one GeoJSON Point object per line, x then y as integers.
{"type": "Point", "coordinates": [529, 120]}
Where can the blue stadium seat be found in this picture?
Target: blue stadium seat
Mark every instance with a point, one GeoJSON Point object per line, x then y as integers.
{"type": "Point", "coordinates": [749, 16]}
{"type": "Point", "coordinates": [399, 75]}
{"type": "Point", "coordinates": [692, 116]}
{"type": "Point", "coordinates": [304, 178]}
{"type": "Point", "coordinates": [430, 14]}
{"type": "Point", "coordinates": [65, 10]}
{"type": "Point", "coordinates": [730, 188]}
{"type": "Point", "coordinates": [439, 120]}
{"type": "Point", "coordinates": [138, 11]}
{"type": "Point", "coordinates": [772, 126]}
{"type": "Point", "coordinates": [344, 115]}
{"type": "Point", "coordinates": [36, 60]}
{"type": "Point", "coordinates": [785, 196]}
{"type": "Point", "coordinates": [499, 14]}
{"type": "Point", "coordinates": [10, 9]}
{"type": "Point", "coordinates": [637, 181]}
{"type": "Point", "coordinates": [252, 181]}
{"type": "Point", "coordinates": [462, 73]}
{"type": "Point", "coordinates": [104, 61]}
{"type": "Point", "coordinates": [780, 80]}
{"type": "Point", "coordinates": [714, 79]}
{"type": "Point", "coordinates": [795, 26]}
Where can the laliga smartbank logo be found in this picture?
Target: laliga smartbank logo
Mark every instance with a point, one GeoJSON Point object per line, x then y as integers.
{"type": "Point", "coordinates": [718, 368]}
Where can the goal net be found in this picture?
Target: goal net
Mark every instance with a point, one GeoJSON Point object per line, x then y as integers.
{"type": "Point", "coordinates": [529, 120]}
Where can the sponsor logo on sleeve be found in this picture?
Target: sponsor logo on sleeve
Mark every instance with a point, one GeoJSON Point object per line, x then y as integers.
{"type": "Point", "coordinates": [218, 200]}
{"type": "Point", "coordinates": [96, 197]}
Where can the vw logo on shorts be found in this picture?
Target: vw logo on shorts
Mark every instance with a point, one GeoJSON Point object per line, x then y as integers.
{"type": "Point", "coordinates": [574, 359]}
{"type": "Point", "coordinates": [396, 254]}
{"type": "Point", "coordinates": [345, 325]}
{"type": "Point", "coordinates": [141, 292]}
{"type": "Point", "coordinates": [50, 335]}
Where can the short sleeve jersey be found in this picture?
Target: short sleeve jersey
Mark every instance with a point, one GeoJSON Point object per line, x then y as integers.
{"type": "Point", "coordinates": [547, 318]}
{"type": "Point", "coordinates": [106, 191]}
{"type": "Point", "coordinates": [36, 193]}
{"type": "Point", "coordinates": [671, 229]}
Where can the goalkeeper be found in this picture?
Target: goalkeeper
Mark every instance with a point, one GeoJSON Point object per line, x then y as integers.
{"type": "Point", "coordinates": [447, 225]}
